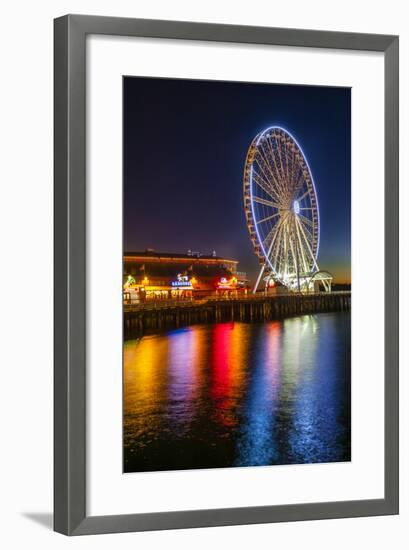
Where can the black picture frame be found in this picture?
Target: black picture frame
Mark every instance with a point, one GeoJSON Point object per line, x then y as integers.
{"type": "Point", "coordinates": [70, 515]}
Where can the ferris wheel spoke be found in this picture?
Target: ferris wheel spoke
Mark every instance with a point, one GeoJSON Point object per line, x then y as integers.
{"type": "Point", "coordinates": [283, 155]}
{"type": "Point", "coordinates": [299, 199]}
{"type": "Point", "coordinates": [261, 167]}
{"type": "Point", "coordinates": [276, 248]}
{"type": "Point", "coordinates": [300, 257]}
{"type": "Point", "coordinates": [271, 236]}
{"type": "Point", "coordinates": [265, 202]}
{"type": "Point", "coordinates": [307, 242]}
{"type": "Point", "coordinates": [298, 185]}
{"type": "Point", "coordinates": [293, 171]}
{"type": "Point", "coordinates": [267, 156]}
{"type": "Point", "coordinates": [279, 178]}
{"type": "Point", "coordinates": [262, 170]}
{"type": "Point", "coordinates": [295, 258]}
{"type": "Point", "coordinates": [280, 156]}
{"type": "Point", "coordinates": [308, 229]}
{"type": "Point", "coordinates": [301, 247]}
{"type": "Point", "coordinates": [290, 258]}
{"type": "Point", "coordinates": [284, 230]}
{"type": "Point", "coordinates": [261, 182]}
{"type": "Point", "coordinates": [287, 161]}
{"type": "Point", "coordinates": [268, 218]}
{"type": "Point", "coordinates": [272, 154]}
{"type": "Point", "coordinates": [298, 249]}
{"type": "Point", "coordinates": [287, 254]}
{"type": "Point", "coordinates": [284, 259]}
{"type": "Point", "coordinates": [264, 157]}
{"type": "Point", "coordinates": [308, 236]}
{"type": "Point", "coordinates": [306, 220]}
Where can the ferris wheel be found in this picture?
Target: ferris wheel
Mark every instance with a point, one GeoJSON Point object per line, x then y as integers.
{"type": "Point", "coordinates": [282, 212]}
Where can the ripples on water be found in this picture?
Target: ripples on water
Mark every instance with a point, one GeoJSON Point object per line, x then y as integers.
{"type": "Point", "coordinates": [237, 394]}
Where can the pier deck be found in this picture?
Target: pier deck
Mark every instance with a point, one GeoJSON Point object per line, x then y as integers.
{"type": "Point", "coordinates": [155, 317]}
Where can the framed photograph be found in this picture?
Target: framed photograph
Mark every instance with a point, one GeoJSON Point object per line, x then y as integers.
{"type": "Point", "coordinates": [226, 275]}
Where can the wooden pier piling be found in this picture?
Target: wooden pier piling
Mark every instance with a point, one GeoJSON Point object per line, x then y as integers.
{"type": "Point", "coordinates": [155, 317]}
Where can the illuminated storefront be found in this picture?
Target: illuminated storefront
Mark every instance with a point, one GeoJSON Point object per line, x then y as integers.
{"type": "Point", "coordinates": [227, 287]}
{"type": "Point", "coordinates": [163, 276]}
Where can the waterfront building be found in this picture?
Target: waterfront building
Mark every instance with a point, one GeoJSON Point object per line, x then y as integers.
{"type": "Point", "coordinates": [151, 275]}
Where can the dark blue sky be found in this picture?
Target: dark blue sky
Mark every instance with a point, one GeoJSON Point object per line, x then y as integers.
{"type": "Point", "coordinates": [185, 144]}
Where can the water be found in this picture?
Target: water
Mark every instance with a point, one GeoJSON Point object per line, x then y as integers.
{"type": "Point", "coordinates": [238, 394]}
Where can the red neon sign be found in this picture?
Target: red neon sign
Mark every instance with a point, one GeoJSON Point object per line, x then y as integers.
{"type": "Point", "coordinates": [225, 283]}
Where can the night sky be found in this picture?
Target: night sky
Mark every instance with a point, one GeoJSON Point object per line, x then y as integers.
{"type": "Point", "coordinates": [185, 144]}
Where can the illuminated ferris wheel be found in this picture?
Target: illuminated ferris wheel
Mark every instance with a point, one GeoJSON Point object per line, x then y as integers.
{"type": "Point", "coordinates": [282, 213]}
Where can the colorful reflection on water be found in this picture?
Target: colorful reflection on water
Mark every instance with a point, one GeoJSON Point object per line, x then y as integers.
{"type": "Point", "coordinates": [237, 394]}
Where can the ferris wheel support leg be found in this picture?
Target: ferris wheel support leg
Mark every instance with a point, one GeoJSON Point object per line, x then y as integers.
{"type": "Point", "coordinates": [259, 279]}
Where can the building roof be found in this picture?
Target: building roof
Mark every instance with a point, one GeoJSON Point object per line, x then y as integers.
{"type": "Point", "coordinates": [152, 255]}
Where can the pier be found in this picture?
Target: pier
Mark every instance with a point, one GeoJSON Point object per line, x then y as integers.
{"type": "Point", "coordinates": [156, 317]}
